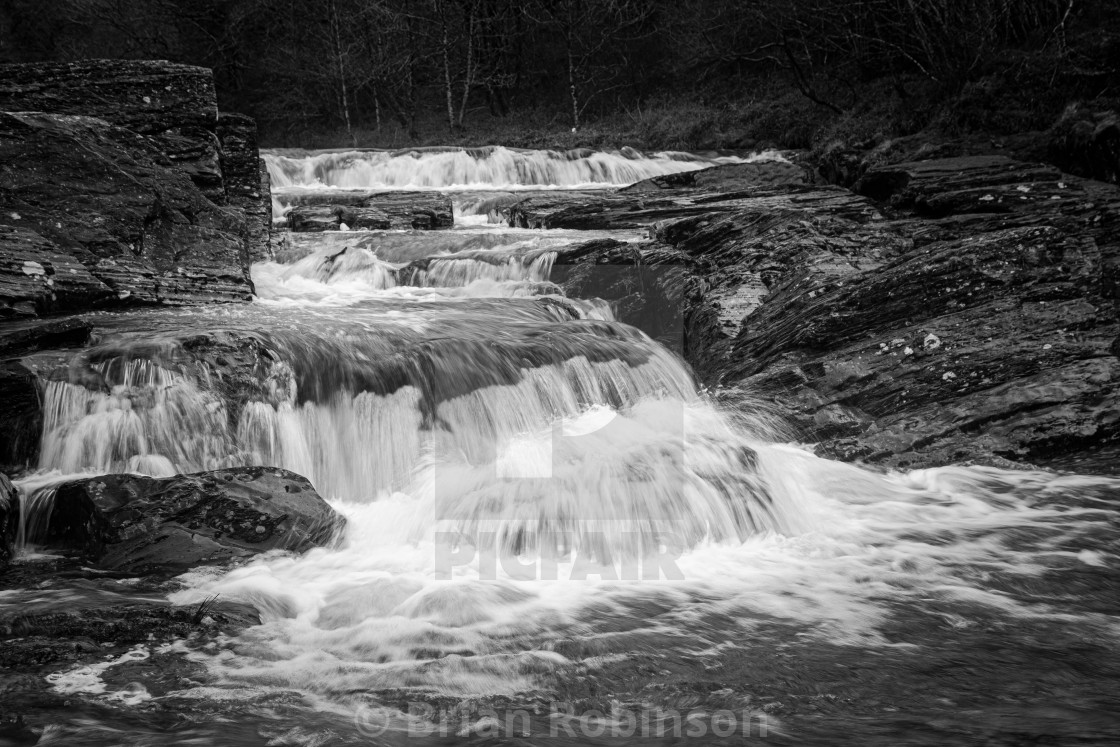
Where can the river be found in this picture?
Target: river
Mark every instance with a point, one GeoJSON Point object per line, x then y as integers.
{"type": "Point", "coordinates": [555, 536]}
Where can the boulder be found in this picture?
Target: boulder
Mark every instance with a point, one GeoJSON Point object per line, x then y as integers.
{"type": "Point", "coordinates": [111, 218]}
{"type": "Point", "coordinates": [975, 322]}
{"type": "Point", "coordinates": [138, 524]}
{"type": "Point", "coordinates": [174, 104]}
{"type": "Point", "coordinates": [246, 180]}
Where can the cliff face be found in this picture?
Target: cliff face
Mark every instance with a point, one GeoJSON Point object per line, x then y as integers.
{"type": "Point", "coordinates": [121, 184]}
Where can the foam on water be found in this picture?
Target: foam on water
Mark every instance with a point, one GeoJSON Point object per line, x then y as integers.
{"type": "Point", "coordinates": [831, 549]}
{"type": "Point", "coordinates": [483, 168]}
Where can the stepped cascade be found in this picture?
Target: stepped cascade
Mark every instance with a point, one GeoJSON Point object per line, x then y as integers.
{"type": "Point", "coordinates": [534, 487]}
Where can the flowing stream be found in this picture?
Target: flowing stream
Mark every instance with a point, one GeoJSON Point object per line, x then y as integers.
{"type": "Point", "coordinates": [544, 509]}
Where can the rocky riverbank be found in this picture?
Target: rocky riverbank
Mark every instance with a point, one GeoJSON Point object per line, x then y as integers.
{"type": "Point", "coordinates": [945, 311]}
{"type": "Point", "coordinates": [122, 185]}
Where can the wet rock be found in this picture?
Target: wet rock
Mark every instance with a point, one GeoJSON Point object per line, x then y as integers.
{"type": "Point", "coordinates": [9, 517]}
{"type": "Point", "coordinates": [174, 104]}
{"type": "Point", "coordinates": [110, 201]}
{"type": "Point", "coordinates": [384, 210]}
{"type": "Point", "coordinates": [641, 209]}
{"type": "Point", "coordinates": [20, 415]}
{"type": "Point", "coordinates": [246, 180]}
{"type": "Point", "coordinates": [727, 178]}
{"type": "Point", "coordinates": [36, 277]}
{"type": "Point", "coordinates": [141, 524]}
{"type": "Point", "coordinates": [28, 335]}
{"type": "Point", "coordinates": [643, 282]}
{"type": "Point", "coordinates": [978, 323]}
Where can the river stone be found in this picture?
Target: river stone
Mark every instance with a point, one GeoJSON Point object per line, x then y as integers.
{"type": "Point", "coordinates": [112, 213]}
{"type": "Point", "coordinates": [134, 523]}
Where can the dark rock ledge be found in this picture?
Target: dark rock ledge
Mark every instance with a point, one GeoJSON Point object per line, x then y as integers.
{"type": "Point", "coordinates": [959, 310]}
{"type": "Point", "coordinates": [121, 184]}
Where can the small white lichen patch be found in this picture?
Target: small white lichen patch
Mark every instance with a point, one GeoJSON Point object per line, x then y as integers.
{"type": "Point", "coordinates": [931, 342]}
{"type": "Point", "coordinates": [147, 99]}
{"type": "Point", "coordinates": [948, 376]}
{"type": "Point", "coordinates": [15, 216]}
{"type": "Point", "coordinates": [1047, 346]}
{"type": "Point", "coordinates": [1023, 188]}
{"type": "Point", "coordinates": [987, 198]}
{"type": "Point", "coordinates": [908, 351]}
{"type": "Point", "coordinates": [33, 268]}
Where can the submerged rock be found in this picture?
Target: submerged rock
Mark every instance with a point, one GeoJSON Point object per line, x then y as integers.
{"type": "Point", "coordinates": [138, 524]}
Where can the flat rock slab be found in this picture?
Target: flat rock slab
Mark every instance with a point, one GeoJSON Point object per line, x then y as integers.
{"type": "Point", "coordinates": [134, 523]}
{"type": "Point", "coordinates": [641, 209]}
{"type": "Point", "coordinates": [732, 177]}
{"type": "Point", "coordinates": [381, 211]}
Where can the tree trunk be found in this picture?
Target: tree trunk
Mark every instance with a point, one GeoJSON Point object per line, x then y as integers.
{"type": "Point", "coordinates": [339, 56]}
{"type": "Point", "coordinates": [573, 93]}
{"type": "Point", "coordinates": [447, 68]}
{"type": "Point", "coordinates": [570, 31]}
{"type": "Point", "coordinates": [470, 58]}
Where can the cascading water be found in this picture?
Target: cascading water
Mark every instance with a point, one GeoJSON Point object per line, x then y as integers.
{"type": "Point", "coordinates": [537, 494]}
{"type": "Point", "coordinates": [486, 168]}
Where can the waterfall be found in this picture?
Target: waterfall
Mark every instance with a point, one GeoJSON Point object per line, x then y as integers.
{"type": "Point", "coordinates": [481, 168]}
{"type": "Point", "coordinates": [534, 490]}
